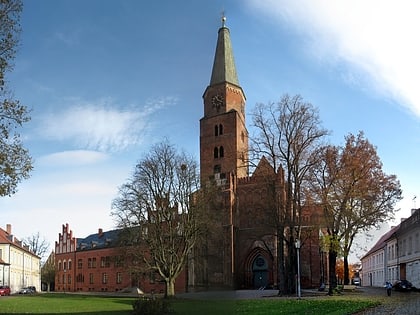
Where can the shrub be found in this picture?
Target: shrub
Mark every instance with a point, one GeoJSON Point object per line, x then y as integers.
{"type": "Point", "coordinates": [145, 306]}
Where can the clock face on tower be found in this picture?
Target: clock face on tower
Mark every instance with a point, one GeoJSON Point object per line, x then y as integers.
{"type": "Point", "coordinates": [217, 101]}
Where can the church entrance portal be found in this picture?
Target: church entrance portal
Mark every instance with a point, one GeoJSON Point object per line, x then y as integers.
{"type": "Point", "coordinates": [260, 272]}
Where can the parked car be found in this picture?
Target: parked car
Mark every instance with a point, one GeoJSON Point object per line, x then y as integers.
{"type": "Point", "coordinates": [4, 290]}
{"type": "Point", "coordinates": [33, 289]}
{"type": "Point", "coordinates": [402, 285]}
{"type": "Point", "coordinates": [356, 281]}
{"type": "Point", "coordinates": [26, 290]}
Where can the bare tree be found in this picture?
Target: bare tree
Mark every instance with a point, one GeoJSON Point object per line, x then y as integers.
{"type": "Point", "coordinates": [287, 134]}
{"type": "Point", "coordinates": [158, 208]}
{"type": "Point", "coordinates": [37, 245]}
{"type": "Point", "coordinates": [15, 162]}
{"type": "Point", "coordinates": [355, 194]}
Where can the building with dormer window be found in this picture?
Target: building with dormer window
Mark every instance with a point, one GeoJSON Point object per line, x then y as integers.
{"type": "Point", "coordinates": [19, 267]}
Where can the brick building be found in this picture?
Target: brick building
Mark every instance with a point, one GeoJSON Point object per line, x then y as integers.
{"type": "Point", "coordinates": [98, 264]}
{"type": "Point", "coordinates": [241, 250]}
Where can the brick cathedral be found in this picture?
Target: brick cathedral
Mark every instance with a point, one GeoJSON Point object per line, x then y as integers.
{"type": "Point", "coordinates": [240, 250]}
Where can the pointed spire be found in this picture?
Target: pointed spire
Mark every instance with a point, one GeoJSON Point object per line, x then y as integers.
{"type": "Point", "coordinates": [224, 69]}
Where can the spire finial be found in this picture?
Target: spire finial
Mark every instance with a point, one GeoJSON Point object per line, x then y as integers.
{"type": "Point", "coordinates": [223, 19]}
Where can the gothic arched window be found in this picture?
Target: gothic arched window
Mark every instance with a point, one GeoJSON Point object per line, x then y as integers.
{"type": "Point", "coordinates": [221, 152]}
{"type": "Point", "coordinates": [216, 153]}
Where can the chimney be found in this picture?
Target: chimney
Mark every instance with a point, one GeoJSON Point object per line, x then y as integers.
{"type": "Point", "coordinates": [9, 229]}
{"type": "Point", "coordinates": [100, 232]}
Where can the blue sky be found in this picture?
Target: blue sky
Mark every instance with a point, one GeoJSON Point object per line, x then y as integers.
{"type": "Point", "coordinates": [107, 79]}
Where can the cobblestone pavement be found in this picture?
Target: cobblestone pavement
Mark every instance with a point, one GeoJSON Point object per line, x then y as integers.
{"type": "Point", "coordinates": [401, 303]}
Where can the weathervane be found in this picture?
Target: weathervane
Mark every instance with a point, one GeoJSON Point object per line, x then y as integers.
{"type": "Point", "coordinates": [223, 19]}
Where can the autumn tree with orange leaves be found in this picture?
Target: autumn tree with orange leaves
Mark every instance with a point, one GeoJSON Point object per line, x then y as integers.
{"type": "Point", "coordinates": [355, 194]}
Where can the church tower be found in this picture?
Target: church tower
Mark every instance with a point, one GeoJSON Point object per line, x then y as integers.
{"type": "Point", "coordinates": [223, 134]}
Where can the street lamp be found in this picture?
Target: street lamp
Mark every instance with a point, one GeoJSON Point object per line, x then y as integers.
{"type": "Point", "coordinates": [297, 245]}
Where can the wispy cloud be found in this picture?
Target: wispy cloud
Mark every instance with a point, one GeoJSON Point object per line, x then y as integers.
{"type": "Point", "coordinates": [69, 39]}
{"type": "Point", "coordinates": [73, 158]}
{"type": "Point", "coordinates": [376, 40]}
{"type": "Point", "coordinates": [102, 125]}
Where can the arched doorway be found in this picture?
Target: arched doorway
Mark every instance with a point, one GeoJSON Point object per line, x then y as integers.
{"type": "Point", "coordinates": [260, 272]}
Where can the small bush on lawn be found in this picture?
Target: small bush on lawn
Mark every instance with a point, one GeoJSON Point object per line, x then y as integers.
{"type": "Point", "coordinates": [151, 307]}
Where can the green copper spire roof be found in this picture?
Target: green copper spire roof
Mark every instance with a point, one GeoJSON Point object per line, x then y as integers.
{"type": "Point", "coordinates": [224, 69]}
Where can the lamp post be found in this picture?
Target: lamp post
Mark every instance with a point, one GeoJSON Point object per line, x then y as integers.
{"type": "Point", "coordinates": [297, 245]}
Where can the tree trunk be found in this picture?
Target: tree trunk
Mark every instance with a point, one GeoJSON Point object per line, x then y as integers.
{"type": "Point", "coordinates": [291, 266]}
{"type": "Point", "coordinates": [170, 287]}
{"type": "Point", "coordinates": [280, 262]}
{"type": "Point", "coordinates": [346, 270]}
{"type": "Point", "coordinates": [332, 258]}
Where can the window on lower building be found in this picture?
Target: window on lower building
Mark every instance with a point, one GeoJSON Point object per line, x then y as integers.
{"type": "Point", "coordinates": [152, 277]}
{"type": "Point", "coordinates": [91, 278]}
{"type": "Point", "coordinates": [79, 264]}
{"type": "Point", "coordinates": [119, 277]}
{"type": "Point", "coordinates": [104, 278]}
{"type": "Point", "coordinates": [80, 278]}
{"type": "Point", "coordinates": [119, 261]}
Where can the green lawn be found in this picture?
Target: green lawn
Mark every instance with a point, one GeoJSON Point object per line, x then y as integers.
{"type": "Point", "coordinates": [91, 305]}
{"type": "Point", "coordinates": [65, 304]}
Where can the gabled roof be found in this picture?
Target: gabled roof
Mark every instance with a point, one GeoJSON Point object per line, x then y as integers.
{"type": "Point", "coordinates": [224, 69]}
{"type": "Point", "coordinates": [6, 238]}
{"type": "Point", "coordinates": [382, 241]}
{"type": "Point", "coordinates": [98, 240]}
{"type": "Point", "coordinates": [263, 168]}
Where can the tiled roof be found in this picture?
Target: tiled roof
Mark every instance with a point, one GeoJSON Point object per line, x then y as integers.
{"type": "Point", "coordinates": [382, 241]}
{"type": "Point", "coordinates": [6, 238]}
{"type": "Point", "coordinates": [98, 240]}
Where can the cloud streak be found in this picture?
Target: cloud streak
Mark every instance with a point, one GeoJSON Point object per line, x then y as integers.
{"type": "Point", "coordinates": [102, 126]}
{"type": "Point", "coordinates": [376, 40]}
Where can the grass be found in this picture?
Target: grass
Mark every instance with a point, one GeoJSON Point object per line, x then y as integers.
{"type": "Point", "coordinates": [306, 307]}
{"type": "Point", "coordinates": [65, 304]}
{"type": "Point", "coordinates": [95, 305]}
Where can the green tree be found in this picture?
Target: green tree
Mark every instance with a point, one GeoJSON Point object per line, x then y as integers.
{"type": "Point", "coordinates": [15, 162]}
{"type": "Point", "coordinates": [48, 271]}
{"type": "Point", "coordinates": [158, 209]}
